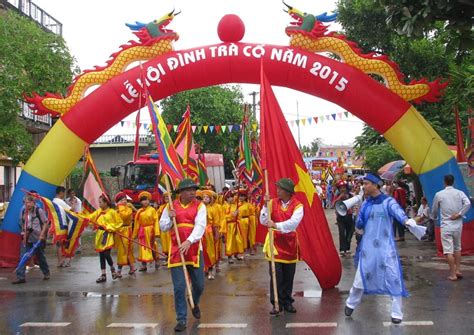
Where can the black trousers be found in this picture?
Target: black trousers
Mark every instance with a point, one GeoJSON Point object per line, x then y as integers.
{"type": "Point", "coordinates": [345, 224]}
{"type": "Point", "coordinates": [285, 273]}
{"type": "Point", "coordinates": [105, 256]}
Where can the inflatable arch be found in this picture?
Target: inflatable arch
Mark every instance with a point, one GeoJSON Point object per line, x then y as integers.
{"type": "Point", "coordinates": [232, 62]}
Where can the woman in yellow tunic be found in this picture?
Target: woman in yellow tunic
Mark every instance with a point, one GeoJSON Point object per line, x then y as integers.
{"type": "Point", "coordinates": [211, 233]}
{"type": "Point", "coordinates": [123, 245]}
{"type": "Point", "coordinates": [146, 229]}
{"type": "Point", "coordinates": [164, 235]}
{"type": "Point", "coordinates": [244, 218]}
{"type": "Point", "coordinates": [106, 220]}
{"type": "Point", "coordinates": [252, 228]}
{"type": "Point", "coordinates": [234, 245]}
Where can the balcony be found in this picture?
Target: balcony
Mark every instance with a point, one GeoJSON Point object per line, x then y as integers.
{"type": "Point", "coordinates": [30, 9]}
{"type": "Point", "coordinates": [122, 140]}
{"type": "Point", "coordinates": [35, 123]}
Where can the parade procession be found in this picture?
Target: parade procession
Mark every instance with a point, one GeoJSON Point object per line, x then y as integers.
{"type": "Point", "coordinates": [177, 189]}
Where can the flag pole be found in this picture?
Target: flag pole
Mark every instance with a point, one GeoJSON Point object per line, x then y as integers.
{"type": "Point", "coordinates": [178, 240]}
{"type": "Point", "coordinates": [272, 251]}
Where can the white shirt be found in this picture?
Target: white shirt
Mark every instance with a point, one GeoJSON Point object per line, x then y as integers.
{"type": "Point", "coordinates": [199, 223]}
{"type": "Point", "coordinates": [75, 203]}
{"type": "Point", "coordinates": [448, 202]}
{"type": "Point", "coordinates": [423, 211]}
{"type": "Point", "coordinates": [284, 226]}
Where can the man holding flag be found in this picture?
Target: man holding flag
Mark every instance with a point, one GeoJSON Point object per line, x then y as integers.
{"type": "Point", "coordinates": [191, 218]}
{"type": "Point", "coordinates": [281, 158]}
{"type": "Point", "coordinates": [283, 215]}
{"type": "Point", "coordinates": [188, 217]}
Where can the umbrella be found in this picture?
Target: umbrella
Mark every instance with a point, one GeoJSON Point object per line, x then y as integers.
{"type": "Point", "coordinates": [390, 170]}
{"type": "Point", "coordinates": [28, 255]}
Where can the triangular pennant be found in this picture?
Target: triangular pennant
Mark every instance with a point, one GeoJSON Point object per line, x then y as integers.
{"type": "Point", "coordinates": [297, 122]}
{"type": "Point", "coordinates": [237, 127]}
{"type": "Point", "coordinates": [254, 127]}
{"type": "Point", "coordinates": [346, 114]}
{"type": "Point", "coordinates": [175, 127]}
{"type": "Point", "coordinates": [122, 123]}
{"type": "Point", "coordinates": [339, 115]}
{"type": "Point", "coordinates": [333, 116]}
{"type": "Point", "coordinates": [193, 128]}
{"type": "Point", "coordinates": [206, 127]}
{"type": "Point", "coordinates": [211, 128]}
{"type": "Point", "coordinates": [150, 127]}
{"type": "Point", "coordinates": [231, 128]}
{"type": "Point", "coordinates": [199, 129]}
{"type": "Point", "coordinates": [292, 123]}
{"type": "Point", "coordinates": [327, 117]}
{"type": "Point", "coordinates": [218, 129]}
{"type": "Point", "coordinates": [224, 127]}
{"type": "Point", "coordinates": [303, 121]}
{"type": "Point", "coordinates": [169, 127]}
{"type": "Point", "coordinates": [315, 119]}
{"type": "Point", "coordinates": [134, 124]}
{"type": "Point", "coordinates": [321, 118]}
{"type": "Point", "coordinates": [309, 120]}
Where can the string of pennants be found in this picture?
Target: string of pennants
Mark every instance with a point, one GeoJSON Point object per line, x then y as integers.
{"type": "Point", "coordinates": [218, 129]}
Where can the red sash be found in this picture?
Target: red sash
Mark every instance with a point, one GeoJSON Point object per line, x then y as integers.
{"type": "Point", "coordinates": [185, 216]}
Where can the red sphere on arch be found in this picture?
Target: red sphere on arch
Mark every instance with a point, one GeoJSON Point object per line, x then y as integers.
{"type": "Point", "coordinates": [231, 28]}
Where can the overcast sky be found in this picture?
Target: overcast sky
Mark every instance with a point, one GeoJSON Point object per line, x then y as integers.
{"type": "Point", "coordinates": [95, 29]}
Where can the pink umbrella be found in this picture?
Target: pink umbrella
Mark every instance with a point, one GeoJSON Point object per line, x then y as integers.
{"type": "Point", "coordinates": [390, 170]}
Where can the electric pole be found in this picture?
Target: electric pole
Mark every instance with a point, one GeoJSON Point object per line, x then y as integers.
{"type": "Point", "coordinates": [298, 124]}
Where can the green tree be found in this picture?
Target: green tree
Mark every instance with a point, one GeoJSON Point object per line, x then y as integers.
{"type": "Point", "coordinates": [312, 148]}
{"type": "Point", "coordinates": [31, 60]}
{"type": "Point", "coordinates": [418, 18]}
{"type": "Point", "coordinates": [364, 21]}
{"type": "Point", "coordinates": [377, 156]}
{"type": "Point", "coordinates": [221, 105]}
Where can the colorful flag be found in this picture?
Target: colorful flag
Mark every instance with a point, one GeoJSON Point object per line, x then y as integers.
{"type": "Point", "coordinates": [136, 148]}
{"type": "Point", "coordinates": [470, 143]}
{"type": "Point", "coordinates": [77, 226]}
{"type": "Point", "coordinates": [93, 186]}
{"type": "Point", "coordinates": [169, 159]}
{"type": "Point", "coordinates": [203, 176]}
{"type": "Point", "coordinates": [57, 217]}
{"type": "Point", "coordinates": [282, 159]}
{"type": "Point", "coordinates": [244, 160]}
{"type": "Point", "coordinates": [184, 145]}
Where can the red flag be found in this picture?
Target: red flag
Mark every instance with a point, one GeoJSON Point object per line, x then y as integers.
{"type": "Point", "coordinates": [93, 186]}
{"type": "Point", "coordinates": [282, 159]}
{"type": "Point", "coordinates": [461, 154]}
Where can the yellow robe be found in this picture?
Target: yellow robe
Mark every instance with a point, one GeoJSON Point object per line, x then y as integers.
{"type": "Point", "coordinates": [165, 235]}
{"type": "Point", "coordinates": [214, 221]}
{"type": "Point", "coordinates": [244, 222]}
{"type": "Point", "coordinates": [146, 229]}
{"type": "Point", "coordinates": [123, 245]}
{"type": "Point", "coordinates": [234, 244]}
{"type": "Point", "coordinates": [111, 221]}
{"type": "Point", "coordinates": [252, 225]}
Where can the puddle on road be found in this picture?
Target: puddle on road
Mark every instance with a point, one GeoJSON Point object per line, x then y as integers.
{"type": "Point", "coordinates": [308, 294]}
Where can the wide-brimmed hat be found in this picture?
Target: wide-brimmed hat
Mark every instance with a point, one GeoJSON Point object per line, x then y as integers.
{"type": "Point", "coordinates": [286, 184]}
{"type": "Point", "coordinates": [186, 184]}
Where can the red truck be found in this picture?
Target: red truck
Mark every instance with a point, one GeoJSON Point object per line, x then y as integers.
{"type": "Point", "coordinates": [142, 175]}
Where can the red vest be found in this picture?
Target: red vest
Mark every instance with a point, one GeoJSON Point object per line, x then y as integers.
{"type": "Point", "coordinates": [286, 245]}
{"type": "Point", "coordinates": [185, 216]}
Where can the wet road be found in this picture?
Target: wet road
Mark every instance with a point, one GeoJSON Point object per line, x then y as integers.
{"type": "Point", "coordinates": [236, 302]}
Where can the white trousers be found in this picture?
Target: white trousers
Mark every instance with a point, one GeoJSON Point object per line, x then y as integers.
{"type": "Point", "coordinates": [355, 298]}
